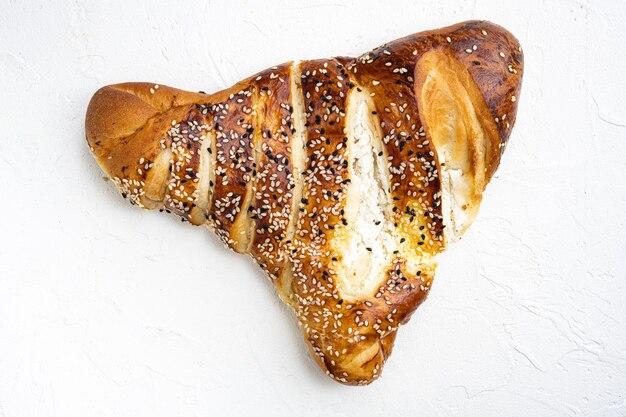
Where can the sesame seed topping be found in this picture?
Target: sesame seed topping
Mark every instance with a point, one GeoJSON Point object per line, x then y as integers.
{"type": "Point", "coordinates": [281, 157]}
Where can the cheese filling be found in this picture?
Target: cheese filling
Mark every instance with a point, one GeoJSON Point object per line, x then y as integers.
{"type": "Point", "coordinates": [367, 241]}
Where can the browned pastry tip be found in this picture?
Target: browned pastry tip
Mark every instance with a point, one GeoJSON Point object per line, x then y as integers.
{"type": "Point", "coordinates": [124, 127]}
{"type": "Point", "coordinates": [117, 111]}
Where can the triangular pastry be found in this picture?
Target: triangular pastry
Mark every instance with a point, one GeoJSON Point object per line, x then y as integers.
{"type": "Point", "coordinates": [343, 178]}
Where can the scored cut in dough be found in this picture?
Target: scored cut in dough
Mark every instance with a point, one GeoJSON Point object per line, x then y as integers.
{"type": "Point", "coordinates": [367, 242]}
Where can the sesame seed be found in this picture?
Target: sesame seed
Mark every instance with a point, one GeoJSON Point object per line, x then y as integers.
{"type": "Point", "coordinates": [293, 212]}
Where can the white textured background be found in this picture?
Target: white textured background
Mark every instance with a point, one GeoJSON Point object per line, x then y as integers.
{"type": "Point", "coordinates": [108, 310]}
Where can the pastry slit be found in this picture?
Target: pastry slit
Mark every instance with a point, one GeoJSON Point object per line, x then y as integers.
{"type": "Point", "coordinates": [156, 180]}
{"type": "Point", "coordinates": [298, 158]}
{"type": "Point", "coordinates": [367, 241]}
{"type": "Point", "coordinates": [242, 230]}
{"type": "Point", "coordinates": [199, 214]}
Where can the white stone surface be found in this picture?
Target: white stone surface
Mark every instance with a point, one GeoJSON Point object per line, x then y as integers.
{"type": "Point", "coordinates": [108, 310]}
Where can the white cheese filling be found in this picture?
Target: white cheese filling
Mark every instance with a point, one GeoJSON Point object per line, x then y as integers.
{"type": "Point", "coordinates": [367, 240]}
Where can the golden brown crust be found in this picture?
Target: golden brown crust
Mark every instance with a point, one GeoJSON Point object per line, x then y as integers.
{"type": "Point", "coordinates": [152, 141]}
{"type": "Point", "coordinates": [270, 209]}
{"type": "Point", "coordinates": [234, 125]}
{"type": "Point", "coordinates": [184, 140]}
{"type": "Point", "coordinates": [325, 182]}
